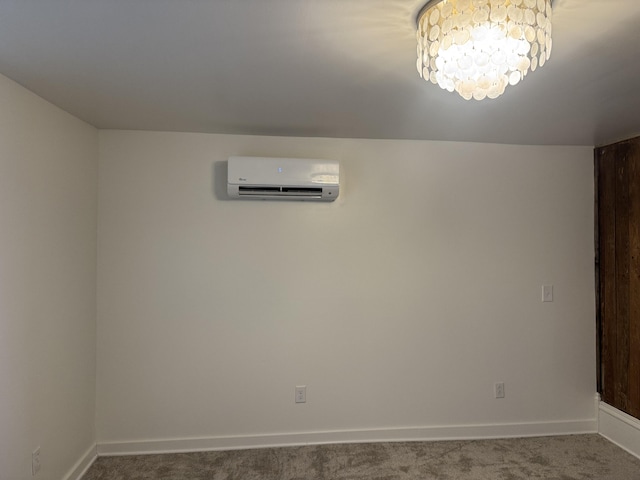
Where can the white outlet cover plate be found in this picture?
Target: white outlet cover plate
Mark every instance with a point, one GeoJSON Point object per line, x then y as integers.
{"type": "Point", "coordinates": [301, 394]}
{"type": "Point", "coordinates": [35, 461]}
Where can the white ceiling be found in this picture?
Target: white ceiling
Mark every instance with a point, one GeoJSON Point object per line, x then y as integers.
{"type": "Point", "coordinates": [335, 68]}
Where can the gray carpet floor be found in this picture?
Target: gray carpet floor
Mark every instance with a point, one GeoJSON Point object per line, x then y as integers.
{"type": "Point", "coordinates": [574, 457]}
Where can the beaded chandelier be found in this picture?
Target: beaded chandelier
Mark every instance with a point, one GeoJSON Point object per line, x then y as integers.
{"type": "Point", "coordinates": [480, 47]}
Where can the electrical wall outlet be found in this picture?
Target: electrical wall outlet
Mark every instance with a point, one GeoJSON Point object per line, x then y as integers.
{"type": "Point", "coordinates": [35, 461]}
{"type": "Point", "coordinates": [301, 394]}
{"type": "Point", "coordinates": [499, 389]}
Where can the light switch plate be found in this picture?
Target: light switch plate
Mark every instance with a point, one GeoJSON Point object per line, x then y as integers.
{"type": "Point", "coordinates": [547, 293]}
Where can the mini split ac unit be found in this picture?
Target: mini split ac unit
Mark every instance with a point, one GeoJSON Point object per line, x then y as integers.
{"type": "Point", "coordinates": [283, 178]}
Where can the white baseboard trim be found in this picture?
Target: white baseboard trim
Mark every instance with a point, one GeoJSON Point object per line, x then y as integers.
{"type": "Point", "coordinates": [619, 428]}
{"type": "Point", "coordinates": [82, 465]}
{"type": "Point", "coordinates": [460, 432]}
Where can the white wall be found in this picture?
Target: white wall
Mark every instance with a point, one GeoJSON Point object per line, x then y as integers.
{"type": "Point", "coordinates": [399, 305]}
{"type": "Point", "coordinates": [48, 205]}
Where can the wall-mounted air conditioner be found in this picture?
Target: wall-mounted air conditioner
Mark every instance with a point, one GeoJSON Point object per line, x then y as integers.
{"type": "Point", "coordinates": [283, 178]}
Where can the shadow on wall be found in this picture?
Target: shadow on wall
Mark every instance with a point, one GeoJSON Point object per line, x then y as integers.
{"type": "Point", "coordinates": [219, 181]}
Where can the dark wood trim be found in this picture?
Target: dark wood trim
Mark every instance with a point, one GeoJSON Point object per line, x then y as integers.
{"type": "Point", "coordinates": [607, 306]}
{"type": "Point", "coordinates": [633, 164]}
{"type": "Point", "coordinates": [622, 247]}
{"type": "Point", "coordinates": [596, 262]}
{"type": "Point", "coordinates": [617, 220]}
